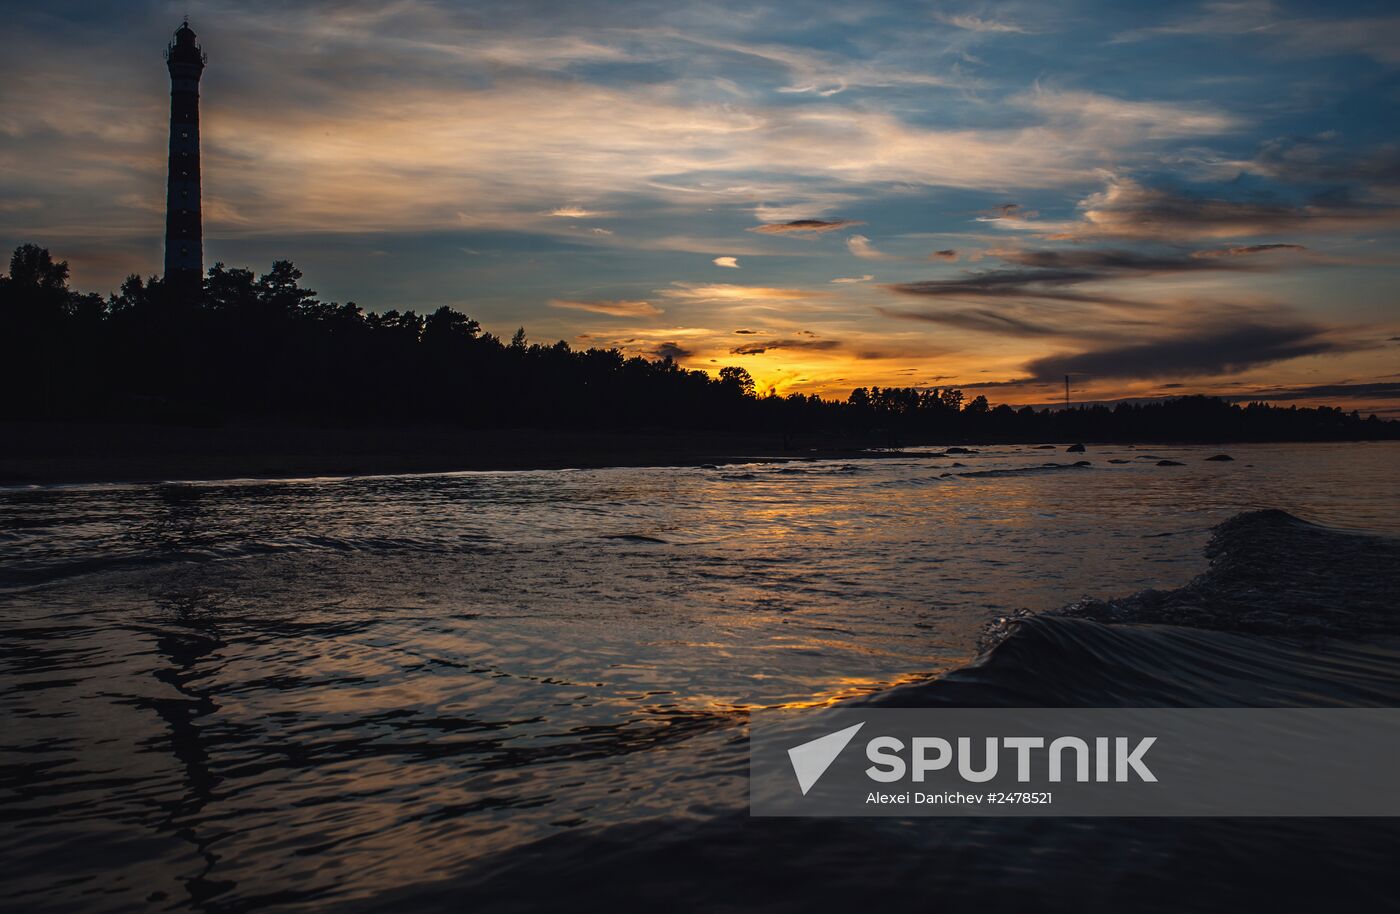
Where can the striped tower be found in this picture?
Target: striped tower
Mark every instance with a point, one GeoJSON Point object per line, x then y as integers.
{"type": "Point", "coordinates": [184, 244]}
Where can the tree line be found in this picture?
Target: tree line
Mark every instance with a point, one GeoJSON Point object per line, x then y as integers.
{"type": "Point", "coordinates": [264, 347]}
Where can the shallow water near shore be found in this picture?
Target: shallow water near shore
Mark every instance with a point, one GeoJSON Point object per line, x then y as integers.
{"type": "Point", "coordinates": [232, 695]}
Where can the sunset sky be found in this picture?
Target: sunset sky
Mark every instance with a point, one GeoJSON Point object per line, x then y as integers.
{"type": "Point", "coordinates": [1154, 198]}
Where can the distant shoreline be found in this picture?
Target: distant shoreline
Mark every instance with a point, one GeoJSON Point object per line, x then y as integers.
{"type": "Point", "coordinates": [51, 453]}
{"type": "Point", "coordinates": [54, 453]}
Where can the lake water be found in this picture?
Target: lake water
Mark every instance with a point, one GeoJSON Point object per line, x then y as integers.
{"type": "Point", "coordinates": [239, 694]}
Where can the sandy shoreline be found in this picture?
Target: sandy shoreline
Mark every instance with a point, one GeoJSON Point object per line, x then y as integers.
{"type": "Point", "coordinates": [33, 453]}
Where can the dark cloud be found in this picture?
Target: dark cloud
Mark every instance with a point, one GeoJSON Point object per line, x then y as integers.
{"type": "Point", "coordinates": [760, 348]}
{"type": "Point", "coordinates": [804, 225]}
{"type": "Point", "coordinates": [946, 254]}
{"type": "Point", "coordinates": [1379, 391]}
{"type": "Point", "coordinates": [1322, 161]}
{"type": "Point", "coordinates": [1132, 210]}
{"type": "Point", "coordinates": [1000, 284]}
{"type": "Point", "coordinates": [1048, 274]}
{"type": "Point", "coordinates": [1248, 250]}
{"type": "Point", "coordinates": [980, 319]}
{"type": "Point", "coordinates": [1109, 261]}
{"type": "Point", "coordinates": [745, 331]}
{"type": "Point", "coordinates": [1010, 212]}
{"type": "Point", "coordinates": [1224, 349]}
{"type": "Point", "coordinates": [673, 351]}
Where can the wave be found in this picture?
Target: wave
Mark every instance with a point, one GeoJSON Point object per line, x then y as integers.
{"type": "Point", "coordinates": [1288, 614]}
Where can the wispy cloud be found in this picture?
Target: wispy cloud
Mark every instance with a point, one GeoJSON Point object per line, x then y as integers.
{"type": "Point", "coordinates": [861, 246]}
{"type": "Point", "coordinates": [979, 24]}
{"type": "Point", "coordinates": [577, 212]}
{"type": "Point", "coordinates": [1377, 37]}
{"type": "Point", "coordinates": [614, 308]}
{"type": "Point", "coordinates": [726, 292]}
{"type": "Point", "coordinates": [730, 262]}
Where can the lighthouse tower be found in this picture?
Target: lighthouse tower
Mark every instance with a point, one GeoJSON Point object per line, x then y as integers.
{"type": "Point", "coordinates": [184, 245]}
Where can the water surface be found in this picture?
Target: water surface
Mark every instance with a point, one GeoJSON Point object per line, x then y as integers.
{"type": "Point", "coordinates": [223, 695]}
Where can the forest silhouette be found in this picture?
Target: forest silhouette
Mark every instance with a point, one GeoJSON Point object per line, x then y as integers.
{"type": "Point", "coordinates": [266, 348]}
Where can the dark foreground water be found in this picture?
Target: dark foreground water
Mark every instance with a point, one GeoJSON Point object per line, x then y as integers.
{"type": "Point", "coordinates": [511, 690]}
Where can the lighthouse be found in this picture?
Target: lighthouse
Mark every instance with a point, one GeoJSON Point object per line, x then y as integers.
{"type": "Point", "coordinates": [184, 244]}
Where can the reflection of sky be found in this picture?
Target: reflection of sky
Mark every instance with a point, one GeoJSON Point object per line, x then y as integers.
{"type": "Point", "coordinates": [1186, 197]}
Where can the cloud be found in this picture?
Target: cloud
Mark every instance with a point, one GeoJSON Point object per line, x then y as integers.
{"type": "Point", "coordinates": [760, 348]}
{"type": "Point", "coordinates": [615, 308]}
{"type": "Point", "coordinates": [1110, 119]}
{"type": "Point", "coordinates": [847, 280]}
{"type": "Point", "coordinates": [731, 262]}
{"type": "Point", "coordinates": [1377, 37]}
{"type": "Point", "coordinates": [1248, 250]}
{"type": "Point", "coordinates": [1128, 209]}
{"type": "Point", "coordinates": [1322, 160]}
{"type": "Point", "coordinates": [860, 246]}
{"type": "Point", "coordinates": [1379, 390]}
{"type": "Point", "coordinates": [804, 225]}
{"type": "Point", "coordinates": [981, 320]}
{"type": "Point", "coordinates": [1054, 275]}
{"type": "Point", "coordinates": [577, 212]}
{"type": "Point", "coordinates": [1215, 350]}
{"type": "Point", "coordinates": [727, 292]}
{"type": "Point", "coordinates": [1049, 285]}
{"type": "Point", "coordinates": [673, 351]}
{"type": "Point", "coordinates": [1109, 261]}
{"type": "Point", "coordinates": [978, 24]}
{"type": "Point", "coordinates": [946, 254]}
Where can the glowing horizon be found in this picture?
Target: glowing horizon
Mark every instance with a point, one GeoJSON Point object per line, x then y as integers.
{"type": "Point", "coordinates": [1204, 198]}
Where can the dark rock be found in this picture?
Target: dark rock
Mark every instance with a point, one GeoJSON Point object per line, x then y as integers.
{"type": "Point", "coordinates": [1075, 449]}
{"type": "Point", "coordinates": [1221, 457]}
{"type": "Point", "coordinates": [1044, 447]}
{"type": "Point", "coordinates": [1081, 463]}
{"type": "Point", "coordinates": [958, 450]}
{"type": "Point", "coordinates": [1119, 460]}
{"type": "Point", "coordinates": [1170, 463]}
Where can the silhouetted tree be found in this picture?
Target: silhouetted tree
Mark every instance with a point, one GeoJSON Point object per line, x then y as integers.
{"type": "Point", "coordinates": [264, 346]}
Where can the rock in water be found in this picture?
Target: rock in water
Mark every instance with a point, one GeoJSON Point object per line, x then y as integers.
{"type": "Point", "coordinates": [1075, 449]}
{"type": "Point", "coordinates": [1221, 457]}
{"type": "Point", "coordinates": [1170, 463]}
